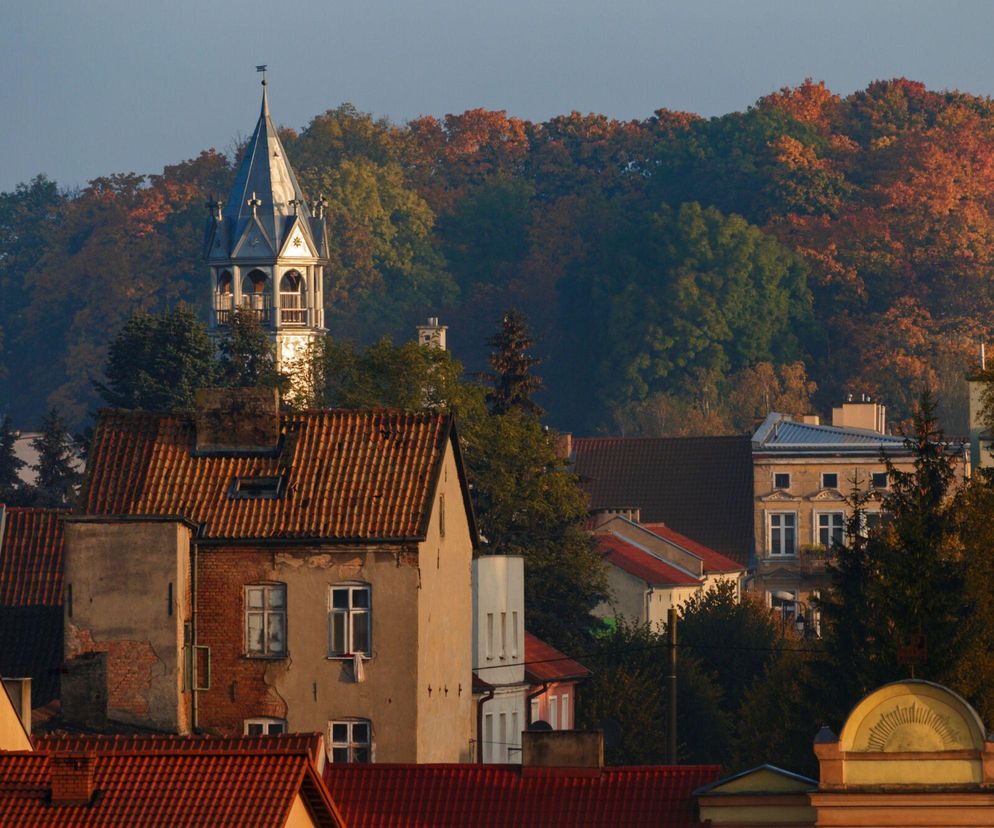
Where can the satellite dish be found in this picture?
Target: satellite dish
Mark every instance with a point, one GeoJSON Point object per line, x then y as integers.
{"type": "Point", "coordinates": [613, 735]}
{"type": "Point", "coordinates": [539, 725]}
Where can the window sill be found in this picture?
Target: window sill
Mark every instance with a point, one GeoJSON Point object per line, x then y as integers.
{"type": "Point", "coordinates": [260, 657]}
{"type": "Point", "coordinates": [348, 657]}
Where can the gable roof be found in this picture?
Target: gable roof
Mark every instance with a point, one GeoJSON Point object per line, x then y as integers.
{"type": "Point", "coordinates": [30, 557]}
{"type": "Point", "coordinates": [543, 662]}
{"type": "Point", "coordinates": [698, 486]}
{"type": "Point", "coordinates": [345, 475]}
{"type": "Point", "coordinates": [405, 796]}
{"type": "Point", "coordinates": [713, 561]}
{"type": "Point", "coordinates": [636, 561]}
{"type": "Point", "coordinates": [174, 788]}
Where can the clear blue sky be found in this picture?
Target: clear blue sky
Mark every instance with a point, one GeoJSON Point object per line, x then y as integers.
{"type": "Point", "coordinates": [91, 88]}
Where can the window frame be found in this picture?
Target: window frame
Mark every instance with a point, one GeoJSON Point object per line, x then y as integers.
{"type": "Point", "coordinates": [266, 722]}
{"type": "Point", "coordinates": [825, 483]}
{"type": "Point", "coordinates": [350, 744]}
{"type": "Point", "coordinates": [267, 611]}
{"type": "Point", "coordinates": [770, 515]}
{"type": "Point", "coordinates": [873, 480]}
{"type": "Point", "coordinates": [781, 474]}
{"type": "Point", "coordinates": [350, 613]}
{"type": "Point", "coordinates": [816, 527]}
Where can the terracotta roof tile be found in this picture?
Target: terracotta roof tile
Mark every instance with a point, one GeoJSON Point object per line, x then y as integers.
{"type": "Point", "coordinates": [309, 743]}
{"type": "Point", "coordinates": [543, 662]}
{"type": "Point", "coordinates": [699, 486]}
{"type": "Point", "coordinates": [347, 475]}
{"type": "Point", "coordinates": [485, 796]}
{"type": "Point", "coordinates": [713, 561]}
{"type": "Point", "coordinates": [167, 788]}
{"type": "Point", "coordinates": [642, 564]}
{"type": "Point", "coordinates": [31, 557]}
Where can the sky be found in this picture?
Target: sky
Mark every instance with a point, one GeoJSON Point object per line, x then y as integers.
{"type": "Point", "coordinates": [93, 88]}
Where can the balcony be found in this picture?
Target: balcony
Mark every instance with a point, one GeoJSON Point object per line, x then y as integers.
{"type": "Point", "coordinates": [259, 305]}
{"type": "Point", "coordinates": [810, 559]}
{"type": "Point", "coordinates": [292, 310]}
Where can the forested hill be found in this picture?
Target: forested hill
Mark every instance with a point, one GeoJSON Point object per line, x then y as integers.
{"type": "Point", "coordinates": [679, 273]}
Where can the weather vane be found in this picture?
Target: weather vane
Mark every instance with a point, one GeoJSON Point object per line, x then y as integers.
{"type": "Point", "coordinates": [263, 70]}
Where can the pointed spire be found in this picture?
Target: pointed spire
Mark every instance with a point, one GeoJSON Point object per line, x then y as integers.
{"type": "Point", "coordinates": [265, 97]}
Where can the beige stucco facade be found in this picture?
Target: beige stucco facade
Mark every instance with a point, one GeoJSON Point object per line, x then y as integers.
{"type": "Point", "coordinates": [636, 600]}
{"type": "Point", "coordinates": [13, 735]}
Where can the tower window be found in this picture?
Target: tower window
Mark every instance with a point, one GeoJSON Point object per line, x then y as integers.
{"type": "Point", "coordinates": [293, 308]}
{"type": "Point", "coordinates": [255, 295]}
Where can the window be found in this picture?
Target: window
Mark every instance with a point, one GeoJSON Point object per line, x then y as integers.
{"type": "Point", "coordinates": [349, 627]}
{"type": "Point", "coordinates": [441, 515]}
{"type": "Point", "coordinates": [533, 716]}
{"type": "Point", "coordinates": [514, 635]}
{"type": "Point", "coordinates": [502, 747]}
{"type": "Point", "coordinates": [553, 712]}
{"type": "Point", "coordinates": [785, 607]}
{"type": "Point", "coordinates": [490, 635]}
{"type": "Point", "coordinates": [781, 480]}
{"type": "Point", "coordinates": [783, 533]}
{"type": "Point", "coordinates": [879, 480]}
{"type": "Point", "coordinates": [564, 712]}
{"type": "Point", "coordinates": [264, 726]}
{"type": "Point", "coordinates": [255, 488]}
{"type": "Point", "coordinates": [515, 733]}
{"type": "Point", "coordinates": [831, 527]}
{"type": "Point", "coordinates": [351, 741]}
{"type": "Point", "coordinates": [488, 737]}
{"type": "Point", "coordinates": [829, 480]}
{"type": "Point", "coordinates": [265, 620]}
{"type": "Point", "coordinates": [503, 635]}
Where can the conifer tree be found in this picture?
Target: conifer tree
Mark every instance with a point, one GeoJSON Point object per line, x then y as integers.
{"type": "Point", "coordinates": [512, 381]}
{"type": "Point", "coordinates": [11, 488]}
{"type": "Point", "coordinates": [247, 358]}
{"type": "Point", "coordinates": [57, 476]}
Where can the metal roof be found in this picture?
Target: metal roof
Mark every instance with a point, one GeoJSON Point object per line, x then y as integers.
{"type": "Point", "coordinates": [779, 433]}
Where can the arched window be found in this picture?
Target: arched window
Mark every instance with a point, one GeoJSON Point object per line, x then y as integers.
{"type": "Point", "coordinates": [224, 283]}
{"type": "Point", "coordinates": [255, 294]}
{"type": "Point", "coordinates": [293, 304]}
{"type": "Point", "coordinates": [223, 299]}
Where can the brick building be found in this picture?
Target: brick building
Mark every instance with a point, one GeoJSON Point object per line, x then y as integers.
{"type": "Point", "coordinates": [244, 570]}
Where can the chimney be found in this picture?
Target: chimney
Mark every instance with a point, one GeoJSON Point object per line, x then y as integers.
{"type": "Point", "coordinates": [811, 419]}
{"type": "Point", "coordinates": [564, 445]}
{"type": "Point", "coordinates": [865, 414]}
{"type": "Point", "coordinates": [19, 692]}
{"type": "Point", "coordinates": [72, 778]}
{"type": "Point", "coordinates": [602, 516]}
{"type": "Point", "coordinates": [580, 752]}
{"type": "Point", "coordinates": [237, 420]}
{"type": "Point", "coordinates": [432, 335]}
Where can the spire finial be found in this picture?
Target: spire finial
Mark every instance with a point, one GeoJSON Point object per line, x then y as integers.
{"type": "Point", "coordinates": [265, 101]}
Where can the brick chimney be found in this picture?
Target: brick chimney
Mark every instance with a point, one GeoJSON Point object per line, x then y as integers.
{"type": "Point", "coordinates": [238, 420]}
{"type": "Point", "coordinates": [601, 516]}
{"type": "Point", "coordinates": [72, 777]}
{"type": "Point", "coordinates": [571, 752]}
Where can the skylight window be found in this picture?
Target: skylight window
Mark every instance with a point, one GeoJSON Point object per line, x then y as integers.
{"type": "Point", "coordinates": [256, 488]}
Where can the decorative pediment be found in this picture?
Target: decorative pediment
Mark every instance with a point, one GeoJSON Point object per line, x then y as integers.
{"type": "Point", "coordinates": [296, 245]}
{"type": "Point", "coordinates": [254, 242]}
{"type": "Point", "coordinates": [828, 495]}
{"type": "Point", "coordinates": [779, 496]}
{"type": "Point", "coordinates": [766, 779]}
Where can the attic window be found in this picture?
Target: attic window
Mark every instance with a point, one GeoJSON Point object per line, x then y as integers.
{"type": "Point", "coordinates": [256, 488]}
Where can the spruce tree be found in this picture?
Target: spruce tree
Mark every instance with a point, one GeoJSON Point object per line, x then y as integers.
{"type": "Point", "coordinates": [11, 487]}
{"type": "Point", "coordinates": [57, 476]}
{"type": "Point", "coordinates": [247, 357]}
{"type": "Point", "coordinates": [512, 380]}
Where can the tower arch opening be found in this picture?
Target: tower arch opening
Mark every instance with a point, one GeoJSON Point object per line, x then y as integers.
{"type": "Point", "coordinates": [255, 295]}
{"type": "Point", "coordinates": [293, 298]}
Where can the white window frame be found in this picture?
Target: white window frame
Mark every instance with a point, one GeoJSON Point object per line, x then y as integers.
{"type": "Point", "coordinates": [782, 488]}
{"type": "Point", "coordinates": [783, 608]}
{"type": "Point", "coordinates": [349, 615]}
{"type": "Point", "coordinates": [533, 711]}
{"type": "Point", "coordinates": [502, 737]}
{"type": "Point", "coordinates": [488, 737]}
{"type": "Point", "coordinates": [514, 633]}
{"type": "Point", "coordinates": [268, 725]}
{"type": "Point", "coordinates": [824, 483]}
{"type": "Point", "coordinates": [554, 712]}
{"type": "Point", "coordinates": [886, 480]}
{"type": "Point", "coordinates": [490, 636]}
{"type": "Point", "coordinates": [564, 711]}
{"type": "Point", "coordinates": [350, 743]}
{"type": "Point", "coordinates": [269, 613]}
{"type": "Point", "coordinates": [816, 527]}
{"type": "Point", "coordinates": [770, 528]}
{"type": "Point", "coordinates": [503, 636]}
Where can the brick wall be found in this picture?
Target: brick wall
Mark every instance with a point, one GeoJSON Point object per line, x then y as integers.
{"type": "Point", "coordinates": [240, 686]}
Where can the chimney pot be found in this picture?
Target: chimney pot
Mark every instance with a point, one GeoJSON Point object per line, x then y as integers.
{"type": "Point", "coordinates": [72, 778]}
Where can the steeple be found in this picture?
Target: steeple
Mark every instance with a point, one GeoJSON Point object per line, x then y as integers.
{"type": "Point", "coordinates": [265, 247]}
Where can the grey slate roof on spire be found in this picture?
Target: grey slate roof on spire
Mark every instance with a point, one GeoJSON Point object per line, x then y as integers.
{"type": "Point", "coordinates": [265, 176]}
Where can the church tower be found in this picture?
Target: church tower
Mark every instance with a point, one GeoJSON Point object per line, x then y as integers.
{"type": "Point", "coordinates": [266, 249]}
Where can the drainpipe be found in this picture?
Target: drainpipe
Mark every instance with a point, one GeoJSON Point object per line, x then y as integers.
{"type": "Point", "coordinates": [528, 700]}
{"type": "Point", "coordinates": [487, 696]}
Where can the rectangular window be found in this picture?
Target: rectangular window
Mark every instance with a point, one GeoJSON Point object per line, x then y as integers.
{"type": "Point", "coordinates": [829, 480]}
{"type": "Point", "coordinates": [351, 741]}
{"type": "Point", "coordinates": [255, 488]}
{"type": "Point", "coordinates": [533, 717]}
{"type": "Point", "coordinates": [783, 533]}
{"type": "Point", "coordinates": [502, 746]}
{"type": "Point", "coordinates": [781, 480]}
{"type": "Point", "coordinates": [784, 606]}
{"type": "Point", "coordinates": [350, 621]}
{"type": "Point", "coordinates": [515, 733]}
{"type": "Point", "coordinates": [264, 726]}
{"type": "Point", "coordinates": [831, 527]}
{"type": "Point", "coordinates": [514, 635]}
{"type": "Point", "coordinates": [265, 620]}
{"type": "Point", "coordinates": [503, 635]}
{"type": "Point", "coordinates": [564, 712]}
{"type": "Point", "coordinates": [879, 480]}
{"type": "Point", "coordinates": [488, 738]}
{"type": "Point", "coordinates": [553, 712]}
{"type": "Point", "coordinates": [490, 635]}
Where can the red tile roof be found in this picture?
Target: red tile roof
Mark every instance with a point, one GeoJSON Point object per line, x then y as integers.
{"type": "Point", "coordinates": [713, 561]}
{"type": "Point", "coordinates": [405, 796]}
{"type": "Point", "coordinates": [543, 662]}
{"type": "Point", "coordinates": [642, 564]}
{"type": "Point", "coordinates": [347, 475]}
{"type": "Point", "coordinates": [310, 743]}
{"type": "Point", "coordinates": [30, 557]}
{"type": "Point", "coordinates": [700, 486]}
{"type": "Point", "coordinates": [169, 788]}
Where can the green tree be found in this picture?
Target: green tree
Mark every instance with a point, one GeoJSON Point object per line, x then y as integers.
{"type": "Point", "coordinates": [158, 361]}
{"type": "Point", "coordinates": [57, 476]}
{"type": "Point", "coordinates": [11, 487]}
{"type": "Point", "coordinates": [247, 356]}
{"type": "Point", "coordinates": [512, 381]}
